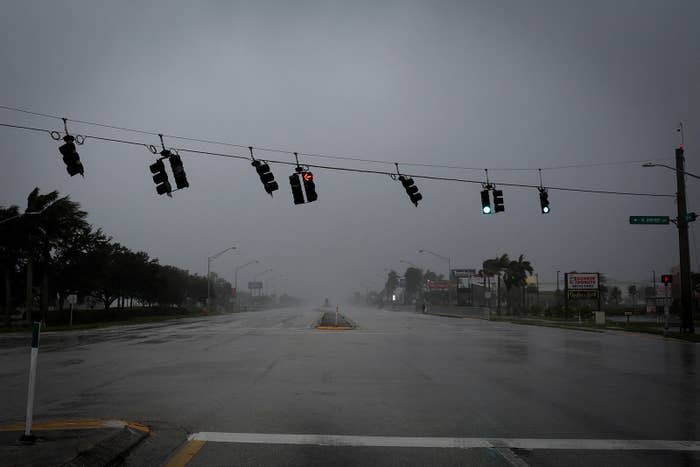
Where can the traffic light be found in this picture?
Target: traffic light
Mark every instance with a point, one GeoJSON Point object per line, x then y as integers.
{"type": "Point", "coordinates": [309, 186]}
{"type": "Point", "coordinates": [266, 177]}
{"type": "Point", "coordinates": [679, 151]}
{"type": "Point", "coordinates": [411, 189]}
{"type": "Point", "coordinates": [544, 201]}
{"type": "Point", "coordinates": [666, 279]}
{"type": "Point", "coordinates": [71, 157]}
{"type": "Point", "coordinates": [296, 188]}
{"type": "Point", "coordinates": [485, 202]}
{"type": "Point", "coordinates": [178, 171]}
{"type": "Point", "coordinates": [498, 201]}
{"type": "Point", "coordinates": [160, 177]}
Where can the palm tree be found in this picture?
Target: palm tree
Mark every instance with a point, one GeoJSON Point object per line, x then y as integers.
{"type": "Point", "coordinates": [494, 267]}
{"type": "Point", "coordinates": [615, 295]}
{"type": "Point", "coordinates": [57, 222]}
{"type": "Point", "coordinates": [516, 274]}
{"type": "Point", "coordinates": [10, 241]}
{"type": "Point", "coordinates": [632, 291]}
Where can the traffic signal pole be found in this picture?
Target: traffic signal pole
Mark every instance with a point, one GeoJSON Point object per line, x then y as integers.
{"type": "Point", "coordinates": [683, 245]}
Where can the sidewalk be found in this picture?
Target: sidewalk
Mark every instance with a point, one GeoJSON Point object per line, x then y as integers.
{"type": "Point", "coordinates": [73, 443]}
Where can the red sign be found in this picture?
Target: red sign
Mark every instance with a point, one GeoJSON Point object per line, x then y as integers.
{"type": "Point", "coordinates": [438, 285]}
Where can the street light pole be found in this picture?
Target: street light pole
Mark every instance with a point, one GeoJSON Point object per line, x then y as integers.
{"type": "Point", "coordinates": [449, 272]}
{"type": "Point", "coordinates": [235, 278]}
{"type": "Point", "coordinates": [209, 260]}
{"type": "Point", "coordinates": [261, 274]}
{"type": "Point", "coordinates": [683, 244]}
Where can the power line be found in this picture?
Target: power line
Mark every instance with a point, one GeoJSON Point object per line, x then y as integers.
{"type": "Point", "coordinates": [151, 149]}
{"type": "Point", "coordinates": [333, 156]}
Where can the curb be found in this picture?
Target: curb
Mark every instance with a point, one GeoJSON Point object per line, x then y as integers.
{"type": "Point", "coordinates": [113, 450]}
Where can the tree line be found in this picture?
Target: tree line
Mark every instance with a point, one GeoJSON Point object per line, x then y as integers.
{"type": "Point", "coordinates": [50, 251]}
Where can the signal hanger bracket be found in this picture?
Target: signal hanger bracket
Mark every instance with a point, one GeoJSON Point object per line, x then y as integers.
{"type": "Point", "coordinates": [488, 185]}
{"type": "Point", "coordinates": [300, 168]}
{"type": "Point", "coordinates": [56, 135]}
{"type": "Point", "coordinates": [165, 153]}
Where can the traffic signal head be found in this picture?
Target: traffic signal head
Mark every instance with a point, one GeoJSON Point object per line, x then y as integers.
{"type": "Point", "coordinates": [160, 177]}
{"type": "Point", "coordinates": [498, 201]}
{"type": "Point", "coordinates": [71, 157]}
{"type": "Point", "coordinates": [485, 202]}
{"type": "Point", "coordinates": [309, 186]}
{"type": "Point", "coordinates": [679, 151]}
{"type": "Point", "coordinates": [411, 189]}
{"type": "Point", "coordinates": [666, 279]}
{"type": "Point", "coordinates": [544, 201]}
{"type": "Point", "coordinates": [295, 183]}
{"type": "Point", "coordinates": [178, 171]}
{"type": "Point", "coordinates": [266, 177]}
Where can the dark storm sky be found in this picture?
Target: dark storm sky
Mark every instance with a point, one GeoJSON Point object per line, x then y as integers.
{"type": "Point", "coordinates": [480, 84]}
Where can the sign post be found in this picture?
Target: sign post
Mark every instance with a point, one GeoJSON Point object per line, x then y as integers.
{"type": "Point", "coordinates": [667, 311]}
{"type": "Point", "coordinates": [28, 437]}
{"type": "Point", "coordinates": [72, 300]}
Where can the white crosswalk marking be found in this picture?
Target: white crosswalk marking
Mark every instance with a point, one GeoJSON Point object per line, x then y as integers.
{"type": "Point", "coordinates": [440, 442]}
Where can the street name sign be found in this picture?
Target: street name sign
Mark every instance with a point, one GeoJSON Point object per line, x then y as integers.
{"type": "Point", "coordinates": [649, 220]}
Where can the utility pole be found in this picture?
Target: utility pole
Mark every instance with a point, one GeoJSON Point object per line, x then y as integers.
{"type": "Point", "coordinates": [683, 246]}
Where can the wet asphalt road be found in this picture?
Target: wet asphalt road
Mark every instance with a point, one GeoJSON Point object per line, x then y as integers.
{"type": "Point", "coordinates": [398, 374]}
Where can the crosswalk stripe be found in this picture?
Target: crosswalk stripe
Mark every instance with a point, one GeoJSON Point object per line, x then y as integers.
{"type": "Point", "coordinates": [444, 442]}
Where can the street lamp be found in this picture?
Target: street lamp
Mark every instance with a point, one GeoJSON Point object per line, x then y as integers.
{"type": "Point", "coordinates": [235, 277]}
{"type": "Point", "coordinates": [449, 272]}
{"type": "Point", "coordinates": [209, 260]}
{"type": "Point", "coordinates": [261, 274]}
{"type": "Point", "coordinates": [682, 172]}
{"type": "Point", "coordinates": [30, 213]}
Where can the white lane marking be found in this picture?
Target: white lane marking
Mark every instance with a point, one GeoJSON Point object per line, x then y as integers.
{"type": "Point", "coordinates": [459, 443]}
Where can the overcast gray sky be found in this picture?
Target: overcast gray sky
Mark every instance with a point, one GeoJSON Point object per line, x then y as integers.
{"type": "Point", "coordinates": [498, 84]}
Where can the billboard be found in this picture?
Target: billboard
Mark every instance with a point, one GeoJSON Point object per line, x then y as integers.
{"type": "Point", "coordinates": [255, 285]}
{"type": "Point", "coordinates": [582, 281]}
{"type": "Point", "coordinates": [582, 285]}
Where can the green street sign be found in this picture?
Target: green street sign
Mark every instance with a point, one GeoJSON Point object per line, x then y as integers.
{"type": "Point", "coordinates": [649, 219]}
{"type": "Point", "coordinates": [691, 217]}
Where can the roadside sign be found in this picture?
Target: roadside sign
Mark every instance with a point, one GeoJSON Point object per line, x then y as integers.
{"type": "Point", "coordinates": [72, 299]}
{"type": "Point", "coordinates": [438, 285]}
{"type": "Point", "coordinates": [583, 294]}
{"type": "Point", "coordinates": [649, 220]}
{"type": "Point", "coordinates": [255, 285]}
{"type": "Point", "coordinates": [582, 281]}
{"type": "Point", "coordinates": [463, 272]}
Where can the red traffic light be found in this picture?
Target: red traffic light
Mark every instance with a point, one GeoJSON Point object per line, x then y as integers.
{"type": "Point", "coordinates": [666, 279]}
{"type": "Point", "coordinates": [308, 176]}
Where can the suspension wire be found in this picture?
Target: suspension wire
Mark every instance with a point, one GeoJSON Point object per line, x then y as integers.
{"type": "Point", "coordinates": [348, 169]}
{"type": "Point", "coordinates": [329, 156]}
